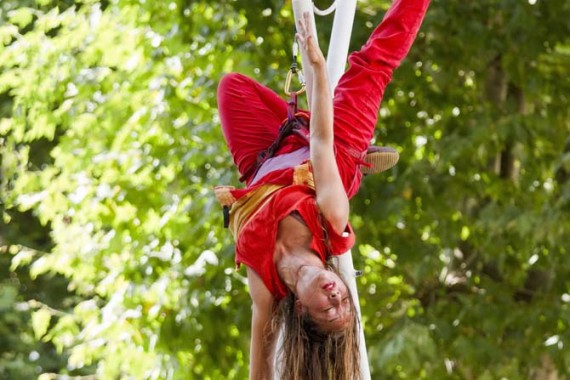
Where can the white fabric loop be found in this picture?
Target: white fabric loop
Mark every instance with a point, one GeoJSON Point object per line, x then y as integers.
{"type": "Point", "coordinates": [327, 11]}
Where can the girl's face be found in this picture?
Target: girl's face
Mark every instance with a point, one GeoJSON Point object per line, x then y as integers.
{"type": "Point", "coordinates": [325, 298]}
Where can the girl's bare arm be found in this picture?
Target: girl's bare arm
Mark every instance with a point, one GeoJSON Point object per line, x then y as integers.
{"type": "Point", "coordinates": [331, 196]}
{"type": "Point", "coordinates": [262, 345]}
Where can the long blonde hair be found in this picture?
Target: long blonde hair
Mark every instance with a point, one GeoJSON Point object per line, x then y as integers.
{"type": "Point", "coordinates": [309, 353]}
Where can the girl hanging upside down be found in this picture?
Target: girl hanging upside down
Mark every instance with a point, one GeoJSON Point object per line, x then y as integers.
{"type": "Point", "coordinates": [292, 217]}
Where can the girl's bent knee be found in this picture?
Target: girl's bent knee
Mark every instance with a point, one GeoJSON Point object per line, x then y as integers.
{"type": "Point", "coordinates": [234, 80]}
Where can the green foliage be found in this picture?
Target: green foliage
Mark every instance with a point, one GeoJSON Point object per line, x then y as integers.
{"type": "Point", "coordinates": [127, 116]}
{"type": "Point", "coordinates": [109, 138]}
{"type": "Point", "coordinates": [476, 211]}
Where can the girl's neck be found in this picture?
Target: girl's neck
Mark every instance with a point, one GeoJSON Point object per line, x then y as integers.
{"type": "Point", "coordinates": [295, 264]}
{"type": "Point", "coordinates": [293, 256]}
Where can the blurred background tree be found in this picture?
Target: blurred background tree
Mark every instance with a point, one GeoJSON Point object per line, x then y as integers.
{"type": "Point", "coordinates": [113, 260]}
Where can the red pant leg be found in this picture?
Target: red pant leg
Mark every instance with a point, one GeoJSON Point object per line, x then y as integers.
{"type": "Point", "coordinates": [250, 114]}
{"type": "Point", "coordinates": [360, 90]}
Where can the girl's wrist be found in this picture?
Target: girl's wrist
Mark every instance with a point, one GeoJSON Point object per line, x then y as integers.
{"type": "Point", "coordinates": [319, 66]}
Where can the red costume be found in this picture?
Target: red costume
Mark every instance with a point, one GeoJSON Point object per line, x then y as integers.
{"type": "Point", "coordinates": [251, 115]}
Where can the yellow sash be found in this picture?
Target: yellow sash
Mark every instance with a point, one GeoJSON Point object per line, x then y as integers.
{"type": "Point", "coordinates": [248, 205]}
{"type": "Point", "coordinates": [245, 208]}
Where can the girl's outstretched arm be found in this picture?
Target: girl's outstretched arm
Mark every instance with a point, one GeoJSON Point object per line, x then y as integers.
{"type": "Point", "coordinates": [262, 344]}
{"type": "Point", "coordinates": [331, 196]}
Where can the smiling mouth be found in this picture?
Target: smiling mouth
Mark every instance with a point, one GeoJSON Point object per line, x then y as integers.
{"type": "Point", "coordinates": [329, 286]}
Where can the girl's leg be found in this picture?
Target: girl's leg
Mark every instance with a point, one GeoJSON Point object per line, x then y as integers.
{"type": "Point", "coordinates": [360, 90]}
{"type": "Point", "coordinates": [250, 114]}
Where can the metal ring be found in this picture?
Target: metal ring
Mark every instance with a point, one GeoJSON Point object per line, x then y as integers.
{"type": "Point", "coordinates": [288, 83]}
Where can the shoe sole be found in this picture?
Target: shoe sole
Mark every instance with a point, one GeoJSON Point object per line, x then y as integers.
{"type": "Point", "coordinates": [380, 162]}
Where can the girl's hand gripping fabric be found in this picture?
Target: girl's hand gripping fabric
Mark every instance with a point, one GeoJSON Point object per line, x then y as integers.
{"type": "Point", "coordinates": [308, 43]}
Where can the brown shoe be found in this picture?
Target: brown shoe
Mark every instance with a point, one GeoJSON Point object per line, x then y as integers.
{"type": "Point", "coordinates": [380, 159]}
